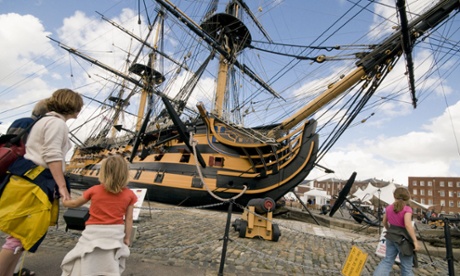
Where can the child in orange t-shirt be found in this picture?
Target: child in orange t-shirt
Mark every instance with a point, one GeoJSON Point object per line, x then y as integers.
{"type": "Point", "coordinates": [106, 237]}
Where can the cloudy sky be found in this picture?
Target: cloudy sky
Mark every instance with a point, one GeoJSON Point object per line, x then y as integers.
{"type": "Point", "coordinates": [405, 142]}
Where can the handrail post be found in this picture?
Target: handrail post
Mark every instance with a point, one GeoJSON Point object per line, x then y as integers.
{"type": "Point", "coordinates": [226, 239]}
{"type": "Point", "coordinates": [449, 253]}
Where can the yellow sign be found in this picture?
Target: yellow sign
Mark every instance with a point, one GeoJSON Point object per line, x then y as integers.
{"type": "Point", "coordinates": [355, 262]}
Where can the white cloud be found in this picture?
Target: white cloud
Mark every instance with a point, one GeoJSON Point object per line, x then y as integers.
{"type": "Point", "coordinates": [25, 51]}
{"type": "Point", "coordinates": [23, 42]}
{"type": "Point", "coordinates": [431, 151]}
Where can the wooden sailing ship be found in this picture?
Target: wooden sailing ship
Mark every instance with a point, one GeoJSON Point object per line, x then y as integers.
{"type": "Point", "coordinates": [202, 155]}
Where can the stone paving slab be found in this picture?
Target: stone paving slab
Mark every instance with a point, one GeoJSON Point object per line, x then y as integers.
{"type": "Point", "coordinates": [177, 241]}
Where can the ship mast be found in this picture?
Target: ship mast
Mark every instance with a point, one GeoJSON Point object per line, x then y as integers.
{"type": "Point", "coordinates": [368, 66]}
{"type": "Point", "coordinates": [331, 93]}
{"type": "Point", "coordinates": [222, 75]}
{"type": "Point", "coordinates": [228, 36]}
{"type": "Point", "coordinates": [150, 77]}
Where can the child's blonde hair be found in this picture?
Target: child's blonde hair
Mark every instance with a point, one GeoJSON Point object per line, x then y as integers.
{"type": "Point", "coordinates": [114, 174]}
{"type": "Point", "coordinates": [402, 198]}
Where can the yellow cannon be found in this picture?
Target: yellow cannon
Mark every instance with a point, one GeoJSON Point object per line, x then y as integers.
{"type": "Point", "coordinates": [256, 220]}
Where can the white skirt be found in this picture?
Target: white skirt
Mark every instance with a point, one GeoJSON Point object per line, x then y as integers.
{"type": "Point", "coordinates": [99, 251]}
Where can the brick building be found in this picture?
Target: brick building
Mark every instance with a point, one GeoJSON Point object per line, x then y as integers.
{"type": "Point", "coordinates": [443, 193]}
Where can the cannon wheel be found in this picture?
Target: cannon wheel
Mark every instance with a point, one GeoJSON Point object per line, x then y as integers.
{"type": "Point", "coordinates": [243, 227]}
{"type": "Point", "coordinates": [236, 225]}
{"type": "Point", "coordinates": [276, 232]}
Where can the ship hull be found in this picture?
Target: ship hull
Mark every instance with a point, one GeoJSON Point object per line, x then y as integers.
{"type": "Point", "coordinates": [271, 174]}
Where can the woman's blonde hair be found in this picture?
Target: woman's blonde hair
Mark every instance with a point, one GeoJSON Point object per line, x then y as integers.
{"type": "Point", "coordinates": [402, 198]}
{"type": "Point", "coordinates": [65, 101]}
{"type": "Point", "coordinates": [114, 174]}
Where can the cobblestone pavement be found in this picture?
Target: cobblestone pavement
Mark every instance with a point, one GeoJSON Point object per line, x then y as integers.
{"type": "Point", "coordinates": [194, 238]}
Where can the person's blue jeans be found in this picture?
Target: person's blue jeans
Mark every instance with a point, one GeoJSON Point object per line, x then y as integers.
{"type": "Point", "coordinates": [385, 266]}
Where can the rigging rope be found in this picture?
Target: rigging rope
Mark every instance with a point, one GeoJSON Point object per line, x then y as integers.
{"type": "Point", "coordinates": [357, 104]}
{"type": "Point", "coordinates": [194, 142]}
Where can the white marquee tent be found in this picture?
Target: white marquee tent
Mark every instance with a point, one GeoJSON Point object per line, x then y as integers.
{"type": "Point", "coordinates": [290, 196]}
{"type": "Point", "coordinates": [320, 196]}
{"type": "Point", "coordinates": [385, 194]}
